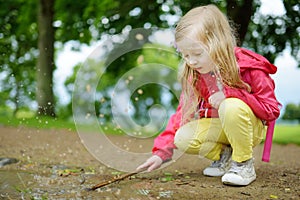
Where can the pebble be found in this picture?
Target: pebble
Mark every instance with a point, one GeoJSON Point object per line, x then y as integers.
{"type": "Point", "coordinates": [7, 161]}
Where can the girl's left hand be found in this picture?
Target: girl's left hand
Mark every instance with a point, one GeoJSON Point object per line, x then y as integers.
{"type": "Point", "coordinates": [154, 162]}
{"type": "Point", "coordinates": [216, 99]}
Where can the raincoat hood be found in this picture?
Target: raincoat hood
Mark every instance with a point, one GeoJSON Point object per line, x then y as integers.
{"type": "Point", "coordinates": [249, 60]}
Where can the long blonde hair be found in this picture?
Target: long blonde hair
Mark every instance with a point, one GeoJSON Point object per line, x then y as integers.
{"type": "Point", "coordinates": [210, 27]}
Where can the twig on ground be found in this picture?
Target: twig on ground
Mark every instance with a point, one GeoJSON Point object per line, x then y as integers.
{"type": "Point", "coordinates": [114, 179]}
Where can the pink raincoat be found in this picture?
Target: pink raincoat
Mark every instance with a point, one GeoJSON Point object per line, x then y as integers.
{"type": "Point", "coordinates": [254, 70]}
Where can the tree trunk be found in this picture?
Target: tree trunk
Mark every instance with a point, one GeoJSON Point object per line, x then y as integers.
{"type": "Point", "coordinates": [240, 12]}
{"type": "Point", "coordinates": [45, 63]}
{"type": "Point", "coordinates": [16, 98]}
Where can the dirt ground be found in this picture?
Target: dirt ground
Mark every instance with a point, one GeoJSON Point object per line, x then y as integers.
{"type": "Point", "coordinates": [54, 164]}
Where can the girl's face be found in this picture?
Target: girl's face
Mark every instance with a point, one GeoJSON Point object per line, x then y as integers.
{"type": "Point", "coordinates": [195, 56]}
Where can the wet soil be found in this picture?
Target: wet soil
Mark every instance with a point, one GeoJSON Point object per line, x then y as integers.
{"type": "Point", "coordinates": [54, 164]}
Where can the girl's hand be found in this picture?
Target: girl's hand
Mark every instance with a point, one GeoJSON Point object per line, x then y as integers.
{"type": "Point", "coordinates": [152, 163]}
{"type": "Point", "coordinates": [216, 99]}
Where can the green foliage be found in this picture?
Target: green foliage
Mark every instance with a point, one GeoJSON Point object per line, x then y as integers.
{"type": "Point", "coordinates": [64, 111]}
{"type": "Point", "coordinates": [149, 95]}
{"type": "Point", "coordinates": [37, 122]}
{"type": "Point", "coordinates": [103, 76]}
{"type": "Point", "coordinates": [18, 55]}
{"type": "Point", "coordinates": [82, 20]}
{"type": "Point", "coordinates": [87, 21]}
{"type": "Point", "coordinates": [269, 35]}
{"type": "Point", "coordinates": [160, 54]}
{"type": "Point", "coordinates": [292, 112]}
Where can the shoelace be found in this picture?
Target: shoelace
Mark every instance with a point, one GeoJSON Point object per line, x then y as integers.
{"type": "Point", "coordinates": [237, 167]}
{"type": "Point", "coordinates": [234, 168]}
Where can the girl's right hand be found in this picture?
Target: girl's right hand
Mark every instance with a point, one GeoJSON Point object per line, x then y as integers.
{"type": "Point", "coordinates": [152, 163]}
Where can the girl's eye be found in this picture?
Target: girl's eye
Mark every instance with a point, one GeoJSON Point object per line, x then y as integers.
{"type": "Point", "coordinates": [185, 56]}
{"type": "Point", "coordinates": [198, 54]}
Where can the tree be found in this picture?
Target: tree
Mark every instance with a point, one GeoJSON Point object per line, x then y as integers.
{"type": "Point", "coordinates": [18, 55]}
{"type": "Point", "coordinates": [22, 29]}
{"type": "Point", "coordinates": [20, 33]}
{"type": "Point", "coordinates": [241, 15]}
{"type": "Point", "coordinates": [45, 62]}
{"type": "Point", "coordinates": [269, 35]}
{"type": "Point", "coordinates": [136, 15]}
{"type": "Point", "coordinates": [87, 21]}
{"type": "Point", "coordinates": [292, 112]}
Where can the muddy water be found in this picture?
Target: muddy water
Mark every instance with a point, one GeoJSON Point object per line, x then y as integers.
{"type": "Point", "coordinates": [25, 185]}
{"type": "Point", "coordinates": [41, 186]}
{"type": "Point", "coordinates": [14, 184]}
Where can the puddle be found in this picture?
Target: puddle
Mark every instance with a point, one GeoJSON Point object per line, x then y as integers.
{"type": "Point", "coordinates": [25, 185]}
{"type": "Point", "coordinates": [31, 185]}
{"type": "Point", "coordinates": [14, 184]}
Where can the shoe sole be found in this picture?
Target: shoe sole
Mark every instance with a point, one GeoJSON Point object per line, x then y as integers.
{"type": "Point", "coordinates": [213, 175]}
{"type": "Point", "coordinates": [238, 182]}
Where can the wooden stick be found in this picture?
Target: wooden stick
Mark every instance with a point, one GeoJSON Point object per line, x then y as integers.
{"type": "Point", "coordinates": [115, 179]}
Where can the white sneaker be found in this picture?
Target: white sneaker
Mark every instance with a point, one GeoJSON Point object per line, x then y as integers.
{"type": "Point", "coordinates": [240, 173]}
{"type": "Point", "coordinates": [220, 167]}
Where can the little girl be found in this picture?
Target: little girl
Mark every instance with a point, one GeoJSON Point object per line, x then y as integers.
{"type": "Point", "coordinates": [227, 99]}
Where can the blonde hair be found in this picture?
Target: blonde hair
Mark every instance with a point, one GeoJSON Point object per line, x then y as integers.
{"type": "Point", "coordinates": [210, 27]}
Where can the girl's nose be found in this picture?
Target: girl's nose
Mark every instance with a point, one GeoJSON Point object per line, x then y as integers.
{"type": "Point", "coordinates": [192, 61]}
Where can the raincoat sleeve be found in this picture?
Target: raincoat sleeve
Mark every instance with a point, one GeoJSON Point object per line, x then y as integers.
{"type": "Point", "coordinates": [164, 143]}
{"type": "Point", "coordinates": [261, 99]}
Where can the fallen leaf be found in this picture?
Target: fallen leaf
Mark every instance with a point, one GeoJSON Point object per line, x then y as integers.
{"type": "Point", "coordinates": [273, 196]}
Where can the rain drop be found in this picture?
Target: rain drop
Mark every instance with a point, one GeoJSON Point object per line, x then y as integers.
{"type": "Point", "coordinates": [102, 100]}
{"type": "Point", "coordinates": [140, 91]}
{"type": "Point", "coordinates": [140, 59]}
{"type": "Point", "coordinates": [88, 88]}
{"type": "Point", "coordinates": [139, 36]}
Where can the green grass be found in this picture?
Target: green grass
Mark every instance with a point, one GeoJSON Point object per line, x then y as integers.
{"type": "Point", "coordinates": [43, 122]}
{"type": "Point", "coordinates": [38, 122]}
{"type": "Point", "coordinates": [286, 134]}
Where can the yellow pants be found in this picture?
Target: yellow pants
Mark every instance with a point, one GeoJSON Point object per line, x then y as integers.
{"type": "Point", "coordinates": [236, 126]}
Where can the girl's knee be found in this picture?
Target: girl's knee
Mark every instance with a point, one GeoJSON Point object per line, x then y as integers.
{"type": "Point", "coordinates": [184, 136]}
{"type": "Point", "coordinates": [185, 142]}
{"type": "Point", "coordinates": [190, 136]}
{"type": "Point", "coordinates": [181, 141]}
{"type": "Point", "coordinates": [233, 107]}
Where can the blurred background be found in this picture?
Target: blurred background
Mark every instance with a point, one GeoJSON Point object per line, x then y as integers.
{"type": "Point", "coordinates": [44, 43]}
